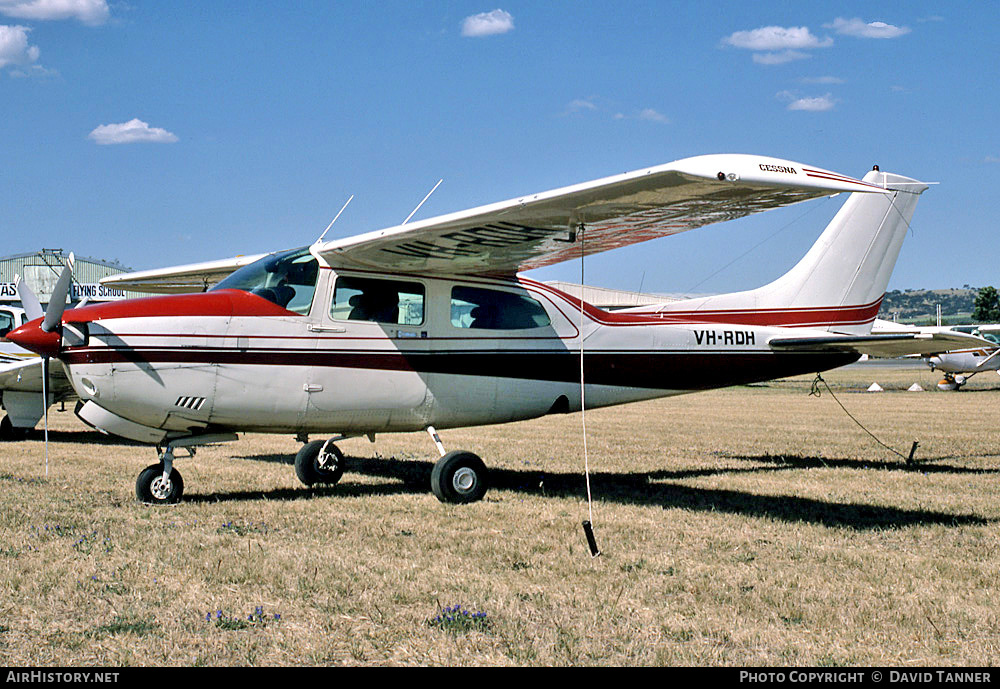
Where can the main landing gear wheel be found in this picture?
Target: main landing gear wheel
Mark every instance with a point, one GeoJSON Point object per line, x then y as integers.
{"type": "Point", "coordinates": [315, 463]}
{"type": "Point", "coordinates": [152, 489]}
{"type": "Point", "coordinates": [951, 382]}
{"type": "Point", "coordinates": [459, 477]}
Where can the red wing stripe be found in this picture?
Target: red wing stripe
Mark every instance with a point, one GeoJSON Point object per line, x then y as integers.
{"type": "Point", "coordinates": [823, 174]}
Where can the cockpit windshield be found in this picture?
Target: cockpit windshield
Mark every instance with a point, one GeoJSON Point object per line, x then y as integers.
{"type": "Point", "coordinates": [288, 279]}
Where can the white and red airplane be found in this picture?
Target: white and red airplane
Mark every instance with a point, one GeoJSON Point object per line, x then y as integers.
{"type": "Point", "coordinates": [959, 365]}
{"type": "Point", "coordinates": [429, 325]}
{"type": "Point", "coordinates": [22, 388]}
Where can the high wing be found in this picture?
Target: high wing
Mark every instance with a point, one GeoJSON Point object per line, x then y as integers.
{"type": "Point", "coordinates": [25, 375]}
{"type": "Point", "coordinates": [545, 228]}
{"type": "Point", "coordinates": [193, 277]}
{"type": "Point", "coordinates": [888, 345]}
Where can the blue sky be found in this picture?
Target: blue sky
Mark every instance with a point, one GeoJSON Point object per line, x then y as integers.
{"type": "Point", "coordinates": [159, 133]}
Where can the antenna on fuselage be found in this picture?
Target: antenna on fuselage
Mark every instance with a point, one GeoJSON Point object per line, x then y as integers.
{"type": "Point", "coordinates": [334, 220]}
{"type": "Point", "coordinates": [422, 202]}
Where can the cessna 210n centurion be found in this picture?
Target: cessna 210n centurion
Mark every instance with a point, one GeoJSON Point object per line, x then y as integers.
{"type": "Point", "coordinates": [429, 325]}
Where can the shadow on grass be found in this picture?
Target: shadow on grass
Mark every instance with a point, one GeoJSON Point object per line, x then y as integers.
{"type": "Point", "coordinates": [79, 438]}
{"type": "Point", "coordinates": [918, 466]}
{"type": "Point", "coordinates": [413, 477]}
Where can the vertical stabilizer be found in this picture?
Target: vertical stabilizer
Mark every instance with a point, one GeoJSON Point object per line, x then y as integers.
{"type": "Point", "coordinates": [839, 284]}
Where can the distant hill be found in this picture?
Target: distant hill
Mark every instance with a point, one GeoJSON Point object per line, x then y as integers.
{"type": "Point", "coordinates": [913, 305]}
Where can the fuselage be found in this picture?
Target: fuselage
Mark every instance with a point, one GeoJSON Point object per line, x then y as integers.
{"type": "Point", "coordinates": [451, 352]}
{"type": "Point", "coordinates": [966, 361]}
{"type": "Point", "coordinates": [11, 318]}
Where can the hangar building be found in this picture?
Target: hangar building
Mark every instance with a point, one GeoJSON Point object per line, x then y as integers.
{"type": "Point", "coordinates": [40, 270]}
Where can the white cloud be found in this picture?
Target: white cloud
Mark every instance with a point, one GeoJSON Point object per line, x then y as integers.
{"type": "Point", "coordinates": [646, 114]}
{"type": "Point", "coordinates": [14, 48]}
{"type": "Point", "coordinates": [91, 12]}
{"type": "Point", "coordinates": [816, 104]}
{"type": "Point", "coordinates": [651, 115]}
{"type": "Point", "coordinates": [133, 131]}
{"type": "Point", "coordinates": [488, 24]}
{"type": "Point", "coordinates": [779, 58]}
{"type": "Point", "coordinates": [822, 80]}
{"type": "Point", "coordinates": [776, 38]}
{"type": "Point", "coordinates": [579, 104]}
{"type": "Point", "coordinates": [859, 29]}
{"type": "Point", "coordinates": [776, 45]}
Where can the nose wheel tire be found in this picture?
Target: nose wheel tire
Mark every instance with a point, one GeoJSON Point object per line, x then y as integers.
{"type": "Point", "coordinates": [314, 464]}
{"type": "Point", "coordinates": [459, 477]}
{"type": "Point", "coordinates": [152, 489]}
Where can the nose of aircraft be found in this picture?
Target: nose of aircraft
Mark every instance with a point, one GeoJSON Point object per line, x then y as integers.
{"type": "Point", "coordinates": [33, 338]}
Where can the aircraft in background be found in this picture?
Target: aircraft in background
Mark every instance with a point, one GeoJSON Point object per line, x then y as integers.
{"type": "Point", "coordinates": [958, 365]}
{"type": "Point", "coordinates": [21, 380]}
{"type": "Point", "coordinates": [961, 364]}
{"type": "Point", "coordinates": [430, 325]}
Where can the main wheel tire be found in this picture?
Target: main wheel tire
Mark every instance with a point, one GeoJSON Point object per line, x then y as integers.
{"type": "Point", "coordinates": [150, 488]}
{"type": "Point", "coordinates": [459, 477]}
{"type": "Point", "coordinates": [312, 467]}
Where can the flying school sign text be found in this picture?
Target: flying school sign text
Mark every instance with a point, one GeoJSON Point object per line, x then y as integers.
{"type": "Point", "coordinates": [92, 291]}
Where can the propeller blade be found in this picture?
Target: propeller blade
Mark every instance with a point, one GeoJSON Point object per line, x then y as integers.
{"type": "Point", "coordinates": [32, 308]}
{"type": "Point", "coordinates": [57, 303]}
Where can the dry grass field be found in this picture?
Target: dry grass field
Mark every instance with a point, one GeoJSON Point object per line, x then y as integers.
{"type": "Point", "coordinates": [749, 526]}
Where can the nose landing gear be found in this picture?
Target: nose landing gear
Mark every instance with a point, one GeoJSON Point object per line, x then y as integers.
{"type": "Point", "coordinates": [161, 484]}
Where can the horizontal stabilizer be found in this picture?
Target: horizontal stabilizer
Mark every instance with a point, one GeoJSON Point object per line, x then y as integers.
{"type": "Point", "coordinates": [890, 345]}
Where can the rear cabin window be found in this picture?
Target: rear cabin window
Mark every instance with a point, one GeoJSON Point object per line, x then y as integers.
{"type": "Point", "coordinates": [379, 301]}
{"type": "Point", "coordinates": [490, 309]}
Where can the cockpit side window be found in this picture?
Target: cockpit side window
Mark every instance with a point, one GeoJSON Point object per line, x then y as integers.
{"type": "Point", "coordinates": [377, 300]}
{"type": "Point", "coordinates": [288, 279]}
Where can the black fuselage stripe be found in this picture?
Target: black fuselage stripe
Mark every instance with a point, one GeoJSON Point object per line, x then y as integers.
{"type": "Point", "coordinates": [668, 370]}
